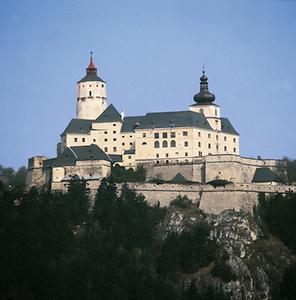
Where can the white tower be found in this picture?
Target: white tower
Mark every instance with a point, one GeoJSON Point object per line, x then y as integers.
{"type": "Point", "coordinates": [91, 94]}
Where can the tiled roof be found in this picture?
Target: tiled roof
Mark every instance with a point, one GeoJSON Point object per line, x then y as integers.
{"type": "Point", "coordinates": [174, 119]}
{"type": "Point", "coordinates": [91, 77]}
{"type": "Point", "coordinates": [227, 127]}
{"type": "Point", "coordinates": [78, 153]}
{"type": "Point", "coordinates": [110, 114]}
{"type": "Point", "coordinates": [265, 175]}
{"type": "Point", "coordinates": [78, 126]}
{"type": "Point", "coordinates": [130, 123]}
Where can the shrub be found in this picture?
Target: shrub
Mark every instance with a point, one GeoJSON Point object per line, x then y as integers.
{"type": "Point", "coordinates": [181, 201]}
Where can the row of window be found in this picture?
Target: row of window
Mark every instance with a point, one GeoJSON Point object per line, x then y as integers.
{"type": "Point", "coordinates": [185, 133]}
{"type": "Point", "coordinates": [96, 85]}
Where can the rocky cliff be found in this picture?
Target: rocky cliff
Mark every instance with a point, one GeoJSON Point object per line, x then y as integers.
{"type": "Point", "coordinates": [247, 266]}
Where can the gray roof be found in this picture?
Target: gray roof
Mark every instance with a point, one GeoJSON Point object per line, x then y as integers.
{"type": "Point", "coordinates": [78, 153]}
{"type": "Point", "coordinates": [227, 127]}
{"type": "Point", "coordinates": [91, 77]}
{"type": "Point", "coordinates": [265, 175]}
{"type": "Point", "coordinates": [130, 123]}
{"type": "Point", "coordinates": [115, 157]}
{"type": "Point", "coordinates": [174, 119]}
{"type": "Point", "coordinates": [130, 151]}
{"type": "Point", "coordinates": [78, 126]}
{"type": "Point", "coordinates": [110, 114]}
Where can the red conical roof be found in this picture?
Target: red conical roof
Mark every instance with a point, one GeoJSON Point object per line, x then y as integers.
{"type": "Point", "coordinates": [91, 67]}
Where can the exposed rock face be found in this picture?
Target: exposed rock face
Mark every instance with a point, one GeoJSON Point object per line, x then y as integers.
{"type": "Point", "coordinates": [257, 265]}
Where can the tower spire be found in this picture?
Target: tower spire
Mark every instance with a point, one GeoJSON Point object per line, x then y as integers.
{"type": "Point", "coordinates": [91, 67]}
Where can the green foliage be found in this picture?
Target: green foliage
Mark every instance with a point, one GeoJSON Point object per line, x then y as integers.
{"type": "Point", "coordinates": [278, 212]}
{"type": "Point", "coordinates": [120, 174]}
{"type": "Point", "coordinates": [223, 271]}
{"type": "Point", "coordinates": [181, 201]}
{"type": "Point", "coordinates": [14, 178]}
{"type": "Point", "coordinates": [114, 256]}
{"type": "Point", "coordinates": [187, 252]}
{"type": "Point", "coordinates": [77, 201]}
{"type": "Point", "coordinates": [288, 287]}
{"type": "Point", "coordinates": [219, 182]}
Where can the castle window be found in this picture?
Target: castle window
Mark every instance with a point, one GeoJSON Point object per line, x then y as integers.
{"type": "Point", "coordinates": [144, 134]}
{"type": "Point", "coordinates": [114, 139]}
{"type": "Point", "coordinates": [216, 112]}
{"type": "Point", "coordinates": [167, 162]}
{"type": "Point", "coordinates": [123, 144]}
{"type": "Point", "coordinates": [94, 140]}
{"type": "Point", "coordinates": [173, 134]}
{"type": "Point", "coordinates": [114, 149]}
{"type": "Point", "coordinates": [97, 85]}
{"type": "Point", "coordinates": [199, 144]}
{"type": "Point", "coordinates": [157, 155]}
{"type": "Point", "coordinates": [166, 155]}
{"type": "Point", "coordinates": [131, 143]}
{"type": "Point", "coordinates": [156, 144]}
{"type": "Point", "coordinates": [114, 132]}
{"type": "Point", "coordinates": [186, 153]}
{"type": "Point", "coordinates": [225, 148]}
{"type": "Point", "coordinates": [185, 133]}
{"type": "Point", "coordinates": [209, 146]}
{"type": "Point", "coordinates": [185, 144]}
{"type": "Point", "coordinates": [234, 150]}
{"type": "Point", "coordinates": [157, 161]}
{"type": "Point", "coordinates": [105, 132]}
{"type": "Point", "coordinates": [217, 137]}
{"type": "Point", "coordinates": [89, 93]}
{"type": "Point", "coordinates": [199, 134]}
{"type": "Point", "coordinates": [131, 136]}
{"type": "Point", "coordinates": [165, 135]}
{"type": "Point", "coordinates": [217, 147]}
{"type": "Point", "coordinates": [209, 135]}
{"type": "Point", "coordinates": [75, 139]}
{"type": "Point", "coordinates": [83, 140]}
{"type": "Point", "coordinates": [106, 149]}
{"type": "Point", "coordinates": [102, 85]}
{"type": "Point", "coordinates": [199, 153]}
{"type": "Point", "coordinates": [156, 135]}
{"type": "Point", "coordinates": [164, 144]}
{"type": "Point", "coordinates": [173, 143]}
{"type": "Point", "coordinates": [90, 85]}
{"type": "Point", "coordinates": [144, 143]}
{"type": "Point", "coordinates": [225, 138]}
{"type": "Point", "coordinates": [129, 157]}
{"type": "Point", "coordinates": [123, 136]}
{"type": "Point", "coordinates": [105, 140]}
{"type": "Point", "coordinates": [114, 124]}
{"type": "Point", "coordinates": [234, 140]}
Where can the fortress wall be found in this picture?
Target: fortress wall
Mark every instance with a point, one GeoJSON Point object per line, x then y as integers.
{"type": "Point", "coordinates": [38, 177]}
{"type": "Point", "coordinates": [169, 171]}
{"type": "Point", "coordinates": [210, 199]}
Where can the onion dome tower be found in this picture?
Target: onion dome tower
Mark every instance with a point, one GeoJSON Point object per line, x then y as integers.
{"type": "Point", "coordinates": [204, 96]}
{"type": "Point", "coordinates": [91, 94]}
{"type": "Point", "coordinates": [204, 103]}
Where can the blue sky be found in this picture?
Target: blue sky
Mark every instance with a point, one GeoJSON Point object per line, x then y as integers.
{"type": "Point", "coordinates": [150, 53]}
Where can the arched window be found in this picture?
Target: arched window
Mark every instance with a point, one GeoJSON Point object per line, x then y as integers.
{"type": "Point", "coordinates": [164, 144]}
{"type": "Point", "coordinates": [144, 143]}
{"type": "Point", "coordinates": [173, 143]}
{"type": "Point", "coordinates": [156, 144]}
{"type": "Point", "coordinates": [89, 93]}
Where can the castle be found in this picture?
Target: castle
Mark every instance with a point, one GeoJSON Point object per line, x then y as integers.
{"type": "Point", "coordinates": [197, 144]}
